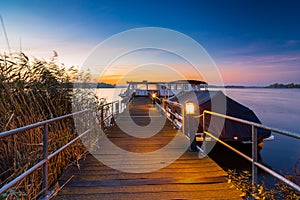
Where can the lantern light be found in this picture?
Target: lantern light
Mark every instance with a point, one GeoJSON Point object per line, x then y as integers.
{"type": "Point", "coordinates": [190, 108]}
{"type": "Point", "coordinates": [153, 95]}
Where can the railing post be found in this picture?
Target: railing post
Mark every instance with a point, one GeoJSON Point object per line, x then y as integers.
{"type": "Point", "coordinates": [183, 120]}
{"type": "Point", "coordinates": [203, 146]}
{"type": "Point", "coordinates": [101, 117]}
{"type": "Point", "coordinates": [90, 127]}
{"type": "Point", "coordinates": [117, 107]}
{"type": "Point", "coordinates": [190, 124]}
{"type": "Point", "coordinates": [203, 121]}
{"type": "Point", "coordinates": [254, 156]}
{"type": "Point", "coordinates": [45, 157]}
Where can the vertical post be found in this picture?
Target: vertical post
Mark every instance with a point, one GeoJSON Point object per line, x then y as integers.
{"type": "Point", "coordinates": [117, 107]}
{"type": "Point", "coordinates": [184, 131]}
{"type": "Point", "coordinates": [203, 146]}
{"type": "Point", "coordinates": [101, 117]}
{"type": "Point", "coordinates": [147, 88]}
{"type": "Point", "coordinates": [190, 123]}
{"type": "Point", "coordinates": [203, 121]}
{"type": "Point", "coordinates": [254, 155]}
{"type": "Point", "coordinates": [90, 127]}
{"type": "Point", "coordinates": [15, 151]}
{"type": "Point", "coordinates": [45, 157]}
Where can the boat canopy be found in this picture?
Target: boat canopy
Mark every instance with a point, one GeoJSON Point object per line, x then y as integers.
{"type": "Point", "coordinates": [192, 82]}
{"type": "Point", "coordinates": [231, 129]}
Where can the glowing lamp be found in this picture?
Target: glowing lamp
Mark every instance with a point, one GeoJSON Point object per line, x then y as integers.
{"type": "Point", "coordinates": [153, 95]}
{"type": "Point", "coordinates": [190, 108]}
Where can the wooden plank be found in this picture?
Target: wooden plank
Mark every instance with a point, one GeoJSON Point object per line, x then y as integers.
{"type": "Point", "coordinates": [145, 188]}
{"type": "Point", "coordinates": [186, 178]}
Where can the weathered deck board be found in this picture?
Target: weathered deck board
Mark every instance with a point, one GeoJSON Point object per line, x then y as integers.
{"type": "Point", "coordinates": [187, 178]}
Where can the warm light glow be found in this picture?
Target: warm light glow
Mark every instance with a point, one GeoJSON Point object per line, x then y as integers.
{"type": "Point", "coordinates": [189, 108]}
{"type": "Point", "coordinates": [153, 95]}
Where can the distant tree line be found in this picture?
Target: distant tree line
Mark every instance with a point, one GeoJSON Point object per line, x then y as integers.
{"type": "Point", "coordinates": [280, 85]}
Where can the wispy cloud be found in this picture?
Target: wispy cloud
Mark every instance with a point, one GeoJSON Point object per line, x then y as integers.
{"type": "Point", "coordinates": [292, 43]}
{"type": "Point", "coordinates": [264, 69]}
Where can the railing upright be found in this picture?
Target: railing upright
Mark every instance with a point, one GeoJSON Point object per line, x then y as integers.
{"type": "Point", "coordinates": [44, 162]}
{"type": "Point", "coordinates": [117, 107]}
{"type": "Point", "coordinates": [254, 155]}
{"type": "Point", "coordinates": [253, 160]}
{"type": "Point", "coordinates": [102, 117]}
{"type": "Point", "coordinates": [90, 127]}
{"type": "Point", "coordinates": [45, 157]}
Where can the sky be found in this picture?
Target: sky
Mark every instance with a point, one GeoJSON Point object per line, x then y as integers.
{"type": "Point", "coordinates": [251, 42]}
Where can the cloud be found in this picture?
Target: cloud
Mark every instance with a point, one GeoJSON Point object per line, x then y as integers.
{"type": "Point", "coordinates": [263, 69]}
{"type": "Point", "coordinates": [289, 43]}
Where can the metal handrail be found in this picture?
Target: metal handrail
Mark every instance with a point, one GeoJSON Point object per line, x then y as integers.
{"type": "Point", "coordinates": [173, 102]}
{"type": "Point", "coordinates": [283, 132]}
{"type": "Point", "coordinates": [46, 157]}
{"type": "Point", "coordinates": [35, 125]}
{"type": "Point", "coordinates": [254, 160]}
{"type": "Point", "coordinates": [110, 103]}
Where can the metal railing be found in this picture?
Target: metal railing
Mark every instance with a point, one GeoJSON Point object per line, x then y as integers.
{"type": "Point", "coordinates": [253, 160]}
{"type": "Point", "coordinates": [108, 111]}
{"type": "Point", "coordinates": [168, 108]}
{"type": "Point", "coordinates": [173, 112]}
{"type": "Point", "coordinates": [44, 162]}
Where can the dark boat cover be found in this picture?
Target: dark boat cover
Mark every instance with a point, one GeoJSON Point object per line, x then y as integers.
{"type": "Point", "coordinates": [231, 129]}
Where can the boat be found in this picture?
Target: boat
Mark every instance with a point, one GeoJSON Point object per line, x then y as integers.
{"type": "Point", "coordinates": [168, 93]}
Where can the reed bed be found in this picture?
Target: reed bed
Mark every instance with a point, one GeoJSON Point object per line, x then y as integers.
{"type": "Point", "coordinates": [33, 90]}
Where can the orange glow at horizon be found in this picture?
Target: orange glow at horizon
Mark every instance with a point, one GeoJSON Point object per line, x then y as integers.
{"type": "Point", "coordinates": [150, 72]}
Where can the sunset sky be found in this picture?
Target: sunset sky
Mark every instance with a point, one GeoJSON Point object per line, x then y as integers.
{"type": "Point", "coordinates": [251, 42]}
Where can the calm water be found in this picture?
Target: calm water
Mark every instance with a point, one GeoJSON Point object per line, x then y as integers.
{"type": "Point", "coordinates": [279, 108]}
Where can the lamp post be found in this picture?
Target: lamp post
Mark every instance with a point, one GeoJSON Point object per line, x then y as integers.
{"type": "Point", "coordinates": [153, 98]}
{"type": "Point", "coordinates": [190, 125]}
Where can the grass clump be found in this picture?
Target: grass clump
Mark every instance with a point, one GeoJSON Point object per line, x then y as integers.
{"type": "Point", "coordinates": [242, 181]}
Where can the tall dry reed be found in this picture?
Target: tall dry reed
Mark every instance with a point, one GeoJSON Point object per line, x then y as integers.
{"type": "Point", "coordinates": [33, 90]}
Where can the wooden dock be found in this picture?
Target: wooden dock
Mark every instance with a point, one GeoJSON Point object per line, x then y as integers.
{"type": "Point", "coordinates": [187, 178]}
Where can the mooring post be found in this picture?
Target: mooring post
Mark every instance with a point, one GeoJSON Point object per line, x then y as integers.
{"type": "Point", "coordinates": [45, 157]}
{"type": "Point", "coordinates": [254, 157]}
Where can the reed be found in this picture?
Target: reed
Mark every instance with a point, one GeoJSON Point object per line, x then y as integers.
{"type": "Point", "coordinates": [241, 180]}
{"type": "Point", "coordinates": [33, 90]}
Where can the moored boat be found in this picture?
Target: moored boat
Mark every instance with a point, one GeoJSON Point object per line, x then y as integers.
{"type": "Point", "coordinates": [169, 93]}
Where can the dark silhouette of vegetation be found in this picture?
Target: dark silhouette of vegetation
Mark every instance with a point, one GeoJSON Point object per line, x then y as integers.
{"type": "Point", "coordinates": [279, 85]}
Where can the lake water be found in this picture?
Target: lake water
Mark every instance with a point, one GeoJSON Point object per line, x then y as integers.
{"type": "Point", "coordinates": [279, 108]}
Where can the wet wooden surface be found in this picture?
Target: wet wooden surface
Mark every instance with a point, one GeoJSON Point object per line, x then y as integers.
{"type": "Point", "coordinates": [188, 177]}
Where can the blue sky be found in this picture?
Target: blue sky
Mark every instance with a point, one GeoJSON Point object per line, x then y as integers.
{"type": "Point", "coordinates": [251, 42]}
